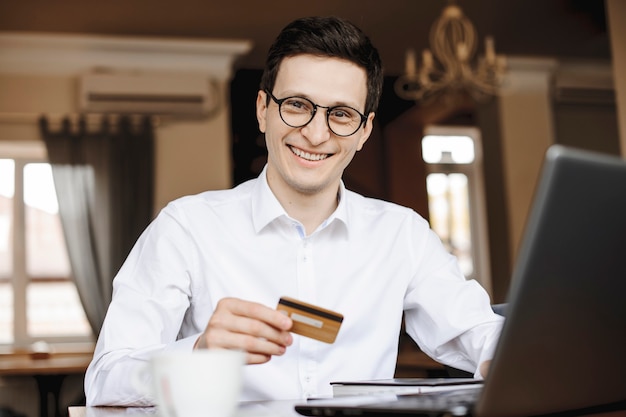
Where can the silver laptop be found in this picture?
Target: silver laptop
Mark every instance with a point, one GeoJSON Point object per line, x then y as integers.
{"type": "Point", "coordinates": [563, 345]}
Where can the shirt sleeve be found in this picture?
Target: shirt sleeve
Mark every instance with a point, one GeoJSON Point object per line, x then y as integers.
{"type": "Point", "coordinates": [448, 316]}
{"type": "Point", "coordinates": [151, 294]}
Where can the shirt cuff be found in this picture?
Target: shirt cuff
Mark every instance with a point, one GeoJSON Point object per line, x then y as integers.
{"type": "Point", "coordinates": [486, 355]}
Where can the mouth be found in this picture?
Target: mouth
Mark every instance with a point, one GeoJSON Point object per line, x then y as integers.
{"type": "Point", "coordinates": [308, 156]}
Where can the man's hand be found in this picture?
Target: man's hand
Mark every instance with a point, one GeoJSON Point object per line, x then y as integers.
{"type": "Point", "coordinates": [254, 328]}
{"type": "Point", "coordinates": [484, 368]}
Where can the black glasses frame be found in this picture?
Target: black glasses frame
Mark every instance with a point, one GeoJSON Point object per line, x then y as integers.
{"type": "Point", "coordinates": [280, 101]}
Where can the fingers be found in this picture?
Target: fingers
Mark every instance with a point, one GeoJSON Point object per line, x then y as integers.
{"type": "Point", "coordinates": [484, 368]}
{"type": "Point", "coordinates": [257, 358]}
{"type": "Point", "coordinates": [251, 342]}
{"type": "Point", "coordinates": [254, 328]}
{"type": "Point", "coordinates": [256, 311]}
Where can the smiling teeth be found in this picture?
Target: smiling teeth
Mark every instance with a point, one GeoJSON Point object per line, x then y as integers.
{"type": "Point", "coordinates": [309, 156]}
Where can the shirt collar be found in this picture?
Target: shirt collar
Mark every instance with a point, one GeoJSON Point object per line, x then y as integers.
{"type": "Point", "coordinates": [266, 208]}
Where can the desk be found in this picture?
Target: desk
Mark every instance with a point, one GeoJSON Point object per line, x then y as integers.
{"type": "Point", "coordinates": [251, 409]}
{"type": "Point", "coordinates": [255, 409]}
{"type": "Point", "coordinates": [48, 372]}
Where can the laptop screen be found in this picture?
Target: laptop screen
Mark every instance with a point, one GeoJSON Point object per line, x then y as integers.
{"type": "Point", "coordinates": [563, 342]}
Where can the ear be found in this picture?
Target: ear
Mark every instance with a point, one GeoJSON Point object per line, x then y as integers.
{"type": "Point", "coordinates": [367, 131]}
{"type": "Point", "coordinates": [261, 109]}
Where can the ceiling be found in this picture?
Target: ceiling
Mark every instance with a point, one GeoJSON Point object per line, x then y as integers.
{"type": "Point", "coordinates": [573, 29]}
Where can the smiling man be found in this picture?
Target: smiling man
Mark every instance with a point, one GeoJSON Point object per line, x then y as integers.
{"type": "Point", "coordinates": [307, 156]}
{"type": "Point", "coordinates": [211, 268]}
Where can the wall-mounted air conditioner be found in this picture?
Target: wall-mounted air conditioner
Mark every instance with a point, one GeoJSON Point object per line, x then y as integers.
{"type": "Point", "coordinates": [192, 95]}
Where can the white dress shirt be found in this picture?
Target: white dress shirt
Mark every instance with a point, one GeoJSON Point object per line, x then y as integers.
{"type": "Point", "coordinates": [370, 261]}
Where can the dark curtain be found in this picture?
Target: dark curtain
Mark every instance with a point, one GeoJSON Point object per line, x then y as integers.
{"type": "Point", "coordinates": [103, 174]}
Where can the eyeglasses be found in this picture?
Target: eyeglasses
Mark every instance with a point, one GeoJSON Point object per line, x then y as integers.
{"type": "Point", "coordinates": [299, 111]}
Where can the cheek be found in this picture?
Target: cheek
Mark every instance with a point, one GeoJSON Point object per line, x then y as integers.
{"type": "Point", "coordinates": [273, 136]}
{"type": "Point", "coordinates": [349, 152]}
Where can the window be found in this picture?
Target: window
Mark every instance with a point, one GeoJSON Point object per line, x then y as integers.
{"type": "Point", "coordinates": [38, 299]}
{"type": "Point", "coordinates": [454, 182]}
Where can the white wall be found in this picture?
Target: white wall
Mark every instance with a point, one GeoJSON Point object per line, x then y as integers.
{"type": "Point", "coordinates": [192, 156]}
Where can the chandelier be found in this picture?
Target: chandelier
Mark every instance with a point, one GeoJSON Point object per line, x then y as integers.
{"type": "Point", "coordinates": [449, 67]}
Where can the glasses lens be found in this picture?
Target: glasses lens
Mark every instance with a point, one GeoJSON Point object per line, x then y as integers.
{"type": "Point", "coordinates": [296, 111]}
{"type": "Point", "coordinates": [344, 121]}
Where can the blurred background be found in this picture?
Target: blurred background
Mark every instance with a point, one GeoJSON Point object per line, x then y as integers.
{"type": "Point", "coordinates": [178, 80]}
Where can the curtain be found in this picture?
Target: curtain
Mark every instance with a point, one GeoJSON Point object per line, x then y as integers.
{"type": "Point", "coordinates": [103, 174]}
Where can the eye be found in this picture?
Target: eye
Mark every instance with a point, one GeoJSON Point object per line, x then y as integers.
{"type": "Point", "coordinates": [343, 114]}
{"type": "Point", "coordinates": [297, 104]}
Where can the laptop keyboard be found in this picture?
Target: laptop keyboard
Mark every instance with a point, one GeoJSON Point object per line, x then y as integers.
{"type": "Point", "coordinates": [449, 403]}
{"type": "Point", "coordinates": [454, 402]}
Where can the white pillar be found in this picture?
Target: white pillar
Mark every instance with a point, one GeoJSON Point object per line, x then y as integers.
{"type": "Point", "coordinates": [527, 128]}
{"type": "Point", "coordinates": [616, 13]}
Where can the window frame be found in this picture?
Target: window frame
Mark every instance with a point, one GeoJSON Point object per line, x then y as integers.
{"type": "Point", "coordinates": [24, 153]}
{"type": "Point", "coordinates": [477, 198]}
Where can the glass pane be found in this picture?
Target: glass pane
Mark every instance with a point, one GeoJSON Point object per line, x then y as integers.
{"type": "Point", "coordinates": [54, 309]}
{"type": "Point", "coordinates": [448, 149]}
{"type": "Point", "coordinates": [6, 312]}
{"type": "Point", "coordinates": [448, 204]}
{"type": "Point", "coordinates": [46, 254]}
{"type": "Point", "coordinates": [7, 188]}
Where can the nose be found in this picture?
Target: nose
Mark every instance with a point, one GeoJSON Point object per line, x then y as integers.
{"type": "Point", "coordinates": [317, 131]}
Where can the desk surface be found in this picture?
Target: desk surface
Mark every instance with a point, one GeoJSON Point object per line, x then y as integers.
{"type": "Point", "coordinates": [252, 409]}
{"type": "Point", "coordinates": [56, 363]}
{"type": "Point", "coordinates": [256, 409]}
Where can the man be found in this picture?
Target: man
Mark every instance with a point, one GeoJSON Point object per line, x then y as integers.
{"type": "Point", "coordinates": [209, 271]}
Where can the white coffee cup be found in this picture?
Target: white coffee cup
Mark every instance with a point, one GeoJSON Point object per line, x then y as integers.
{"type": "Point", "coordinates": [195, 384]}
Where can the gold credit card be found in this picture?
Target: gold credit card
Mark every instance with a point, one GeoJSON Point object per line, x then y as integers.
{"type": "Point", "coordinates": [311, 321]}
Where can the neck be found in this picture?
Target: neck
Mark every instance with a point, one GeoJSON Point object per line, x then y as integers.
{"type": "Point", "coordinates": [311, 211]}
{"type": "Point", "coordinates": [309, 208]}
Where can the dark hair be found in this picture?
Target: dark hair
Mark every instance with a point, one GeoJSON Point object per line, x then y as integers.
{"type": "Point", "coordinates": [330, 37]}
